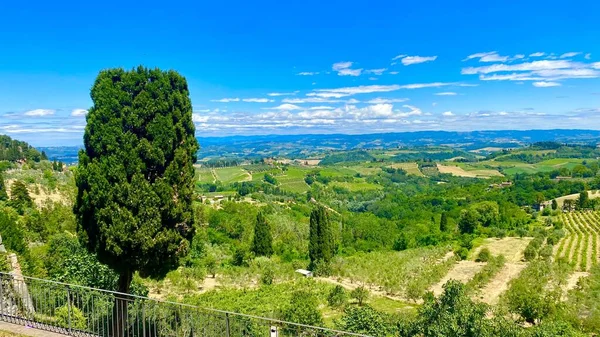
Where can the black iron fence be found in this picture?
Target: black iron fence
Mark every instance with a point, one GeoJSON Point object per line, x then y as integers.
{"type": "Point", "coordinates": [82, 311]}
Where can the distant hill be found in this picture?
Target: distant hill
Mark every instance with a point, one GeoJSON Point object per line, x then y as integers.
{"type": "Point", "coordinates": [14, 150]}
{"type": "Point", "coordinates": [303, 146]}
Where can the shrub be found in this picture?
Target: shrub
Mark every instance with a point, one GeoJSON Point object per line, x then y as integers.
{"type": "Point", "coordinates": [530, 253]}
{"type": "Point", "coordinates": [78, 320]}
{"type": "Point", "coordinates": [463, 253]}
{"type": "Point", "coordinates": [484, 255]}
{"type": "Point", "coordinates": [337, 297]}
{"type": "Point", "coordinates": [361, 294]}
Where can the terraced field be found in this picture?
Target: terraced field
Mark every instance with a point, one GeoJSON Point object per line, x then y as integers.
{"type": "Point", "coordinates": [410, 168]}
{"type": "Point", "coordinates": [581, 244]}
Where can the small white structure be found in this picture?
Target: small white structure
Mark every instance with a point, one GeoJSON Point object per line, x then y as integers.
{"type": "Point", "coordinates": [304, 272]}
{"type": "Point", "coordinates": [274, 331]}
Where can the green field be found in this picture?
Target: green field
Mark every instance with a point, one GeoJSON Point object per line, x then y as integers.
{"type": "Point", "coordinates": [410, 168]}
{"type": "Point", "coordinates": [232, 174]}
{"type": "Point", "coordinates": [357, 185]}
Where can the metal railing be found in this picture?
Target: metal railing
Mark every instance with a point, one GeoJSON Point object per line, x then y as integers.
{"type": "Point", "coordinates": [82, 311]}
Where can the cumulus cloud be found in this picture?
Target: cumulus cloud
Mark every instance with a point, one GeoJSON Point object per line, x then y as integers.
{"type": "Point", "coordinates": [257, 100]}
{"type": "Point", "coordinates": [447, 113]}
{"type": "Point", "coordinates": [79, 112]}
{"type": "Point", "coordinates": [543, 84]}
{"type": "Point", "coordinates": [39, 112]}
{"type": "Point", "coordinates": [226, 100]}
{"type": "Point", "coordinates": [286, 107]}
{"type": "Point", "coordinates": [445, 93]}
{"type": "Point", "coordinates": [409, 60]}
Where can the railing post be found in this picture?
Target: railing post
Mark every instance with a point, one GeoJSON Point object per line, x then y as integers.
{"type": "Point", "coordinates": [143, 318]}
{"type": "Point", "coordinates": [69, 307]}
{"type": "Point", "coordinates": [2, 297]}
{"type": "Point", "coordinates": [227, 324]}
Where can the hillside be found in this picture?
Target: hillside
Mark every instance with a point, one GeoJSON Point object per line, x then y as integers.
{"type": "Point", "coordinates": [14, 150]}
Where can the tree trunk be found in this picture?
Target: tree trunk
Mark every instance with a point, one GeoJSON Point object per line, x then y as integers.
{"type": "Point", "coordinates": [119, 328]}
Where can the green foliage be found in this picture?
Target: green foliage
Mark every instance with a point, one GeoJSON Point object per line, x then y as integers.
{"type": "Point", "coordinates": [554, 204]}
{"type": "Point", "coordinates": [529, 296]}
{"type": "Point", "coordinates": [303, 309]}
{"type": "Point", "coordinates": [360, 294]}
{"type": "Point", "coordinates": [484, 255]}
{"type": "Point", "coordinates": [74, 320]}
{"type": "Point", "coordinates": [135, 178]}
{"type": "Point", "coordinates": [493, 266]}
{"type": "Point", "coordinates": [452, 314]}
{"type": "Point", "coordinates": [345, 157]}
{"type": "Point", "coordinates": [270, 179]}
{"type": "Point", "coordinates": [3, 194]}
{"type": "Point", "coordinates": [583, 200]}
{"type": "Point", "coordinates": [337, 297]}
{"type": "Point", "coordinates": [468, 221]}
{"type": "Point", "coordinates": [13, 150]}
{"type": "Point", "coordinates": [13, 234]}
{"type": "Point", "coordinates": [365, 320]}
{"type": "Point", "coordinates": [19, 197]}
{"type": "Point", "coordinates": [321, 246]}
{"type": "Point", "coordinates": [263, 240]}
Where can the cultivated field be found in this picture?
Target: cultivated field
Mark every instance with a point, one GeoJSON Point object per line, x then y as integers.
{"type": "Point", "coordinates": [461, 172]}
{"type": "Point", "coordinates": [581, 244]}
{"type": "Point", "coordinates": [410, 168]}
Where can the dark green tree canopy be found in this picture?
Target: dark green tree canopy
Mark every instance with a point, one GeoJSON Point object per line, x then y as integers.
{"type": "Point", "coordinates": [262, 244]}
{"type": "Point", "coordinates": [3, 194]}
{"type": "Point", "coordinates": [136, 177]}
{"type": "Point", "coordinates": [19, 196]}
{"type": "Point", "coordinates": [321, 245]}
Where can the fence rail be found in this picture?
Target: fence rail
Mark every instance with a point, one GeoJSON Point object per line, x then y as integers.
{"type": "Point", "coordinates": [82, 311]}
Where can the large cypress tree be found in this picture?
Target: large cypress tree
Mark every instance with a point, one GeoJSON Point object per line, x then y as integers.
{"type": "Point", "coordinates": [321, 247]}
{"type": "Point", "coordinates": [262, 244]}
{"type": "Point", "coordinates": [19, 197]}
{"type": "Point", "coordinates": [135, 177]}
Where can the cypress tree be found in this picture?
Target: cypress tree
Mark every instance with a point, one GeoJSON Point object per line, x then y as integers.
{"type": "Point", "coordinates": [321, 246]}
{"type": "Point", "coordinates": [262, 244]}
{"type": "Point", "coordinates": [19, 196]}
{"type": "Point", "coordinates": [444, 222]}
{"type": "Point", "coordinates": [554, 204]}
{"type": "Point", "coordinates": [3, 195]}
{"type": "Point", "coordinates": [583, 200]}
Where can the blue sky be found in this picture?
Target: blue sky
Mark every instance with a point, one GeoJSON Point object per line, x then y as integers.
{"type": "Point", "coordinates": [285, 67]}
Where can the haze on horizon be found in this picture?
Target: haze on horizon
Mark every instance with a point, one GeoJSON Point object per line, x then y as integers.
{"type": "Point", "coordinates": [310, 67]}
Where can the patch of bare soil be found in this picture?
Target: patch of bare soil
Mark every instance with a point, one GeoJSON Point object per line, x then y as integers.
{"type": "Point", "coordinates": [462, 271]}
{"type": "Point", "coordinates": [39, 194]}
{"type": "Point", "coordinates": [349, 285]}
{"type": "Point", "coordinates": [573, 280]}
{"type": "Point", "coordinates": [499, 283]}
{"type": "Point", "coordinates": [511, 247]}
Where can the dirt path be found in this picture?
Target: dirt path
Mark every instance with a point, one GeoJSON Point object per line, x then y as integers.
{"type": "Point", "coordinates": [349, 285]}
{"type": "Point", "coordinates": [499, 284]}
{"type": "Point", "coordinates": [511, 247]}
{"type": "Point", "coordinates": [462, 271]}
{"type": "Point", "coordinates": [214, 174]}
{"type": "Point", "coordinates": [572, 282]}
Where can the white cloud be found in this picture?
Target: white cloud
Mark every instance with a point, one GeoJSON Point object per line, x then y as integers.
{"type": "Point", "coordinates": [286, 107]}
{"type": "Point", "coordinates": [79, 112]}
{"type": "Point", "coordinates": [322, 107]}
{"type": "Point", "coordinates": [308, 73]}
{"type": "Point", "coordinates": [257, 100]}
{"type": "Point", "coordinates": [349, 91]}
{"type": "Point", "coordinates": [538, 54]}
{"type": "Point", "coordinates": [343, 69]}
{"type": "Point", "coordinates": [447, 113]}
{"type": "Point", "coordinates": [543, 84]}
{"type": "Point", "coordinates": [425, 85]}
{"type": "Point", "coordinates": [197, 118]}
{"type": "Point", "coordinates": [408, 60]}
{"type": "Point", "coordinates": [375, 71]}
{"type": "Point", "coordinates": [491, 56]}
{"type": "Point", "coordinates": [39, 112]}
{"type": "Point", "coordinates": [380, 100]}
{"type": "Point", "coordinates": [446, 93]}
{"type": "Point", "coordinates": [398, 57]}
{"type": "Point", "coordinates": [373, 78]}
{"type": "Point", "coordinates": [527, 66]}
{"type": "Point", "coordinates": [596, 65]}
{"type": "Point", "coordinates": [570, 54]}
{"type": "Point", "coordinates": [310, 100]}
{"type": "Point", "coordinates": [588, 56]}
{"type": "Point", "coordinates": [275, 94]}
{"type": "Point", "coordinates": [518, 56]}
{"type": "Point", "coordinates": [394, 72]}
{"type": "Point", "coordinates": [226, 100]}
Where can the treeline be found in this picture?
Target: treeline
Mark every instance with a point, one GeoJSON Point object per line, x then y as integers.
{"type": "Point", "coordinates": [345, 157]}
{"type": "Point", "coordinates": [433, 156]}
{"type": "Point", "coordinates": [14, 150]}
